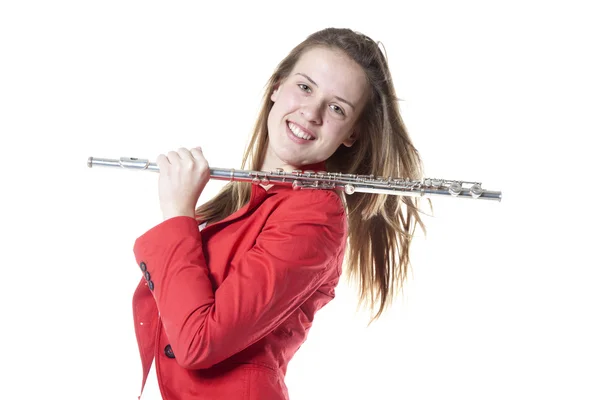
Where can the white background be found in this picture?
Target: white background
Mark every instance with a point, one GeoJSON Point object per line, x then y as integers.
{"type": "Point", "coordinates": [503, 299]}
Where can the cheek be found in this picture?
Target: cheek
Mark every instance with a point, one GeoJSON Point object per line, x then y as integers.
{"type": "Point", "coordinates": [290, 99]}
{"type": "Point", "coordinates": [337, 131]}
{"type": "Point", "coordinates": [280, 106]}
{"type": "Point", "coordinates": [283, 107]}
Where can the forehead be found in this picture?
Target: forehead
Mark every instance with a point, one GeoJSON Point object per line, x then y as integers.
{"type": "Point", "coordinates": [334, 72]}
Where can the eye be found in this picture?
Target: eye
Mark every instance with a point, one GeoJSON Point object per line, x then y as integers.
{"type": "Point", "coordinates": [304, 87]}
{"type": "Point", "coordinates": [337, 109]}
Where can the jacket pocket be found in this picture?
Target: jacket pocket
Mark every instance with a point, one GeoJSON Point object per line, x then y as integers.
{"type": "Point", "coordinates": [263, 383]}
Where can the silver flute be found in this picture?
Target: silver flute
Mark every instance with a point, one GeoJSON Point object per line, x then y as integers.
{"type": "Point", "coordinates": [349, 183]}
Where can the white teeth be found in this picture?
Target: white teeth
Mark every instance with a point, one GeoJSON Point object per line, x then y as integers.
{"type": "Point", "coordinates": [297, 132]}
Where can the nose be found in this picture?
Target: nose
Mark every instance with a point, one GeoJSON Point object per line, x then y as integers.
{"type": "Point", "coordinates": [312, 109]}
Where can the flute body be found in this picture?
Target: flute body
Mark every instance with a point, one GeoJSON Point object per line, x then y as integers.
{"type": "Point", "coordinates": [349, 183]}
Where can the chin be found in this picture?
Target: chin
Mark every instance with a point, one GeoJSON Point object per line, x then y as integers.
{"type": "Point", "coordinates": [291, 160]}
{"type": "Point", "coordinates": [286, 153]}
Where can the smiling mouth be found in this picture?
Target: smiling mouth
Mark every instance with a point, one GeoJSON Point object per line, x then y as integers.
{"type": "Point", "coordinates": [299, 133]}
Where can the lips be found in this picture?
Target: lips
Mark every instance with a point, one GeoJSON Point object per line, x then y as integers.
{"type": "Point", "coordinates": [299, 131]}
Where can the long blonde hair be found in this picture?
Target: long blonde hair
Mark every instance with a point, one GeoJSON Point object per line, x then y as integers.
{"type": "Point", "coordinates": [380, 227]}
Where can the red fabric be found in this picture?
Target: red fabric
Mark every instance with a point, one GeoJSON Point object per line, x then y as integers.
{"type": "Point", "coordinates": [238, 298]}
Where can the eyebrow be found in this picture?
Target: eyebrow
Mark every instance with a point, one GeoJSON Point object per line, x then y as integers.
{"type": "Point", "coordinates": [337, 97]}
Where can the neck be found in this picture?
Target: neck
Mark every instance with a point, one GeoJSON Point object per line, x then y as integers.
{"type": "Point", "coordinates": [320, 166]}
{"type": "Point", "coordinates": [316, 167]}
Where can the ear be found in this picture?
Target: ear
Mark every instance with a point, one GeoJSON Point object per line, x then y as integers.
{"type": "Point", "coordinates": [275, 93]}
{"type": "Point", "coordinates": [351, 139]}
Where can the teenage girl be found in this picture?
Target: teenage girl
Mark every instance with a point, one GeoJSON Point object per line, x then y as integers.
{"type": "Point", "coordinates": [230, 289]}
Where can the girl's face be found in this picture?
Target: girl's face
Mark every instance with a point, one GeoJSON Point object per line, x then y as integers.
{"type": "Point", "coordinates": [315, 109]}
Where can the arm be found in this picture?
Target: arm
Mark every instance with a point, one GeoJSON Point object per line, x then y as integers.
{"type": "Point", "coordinates": [293, 255]}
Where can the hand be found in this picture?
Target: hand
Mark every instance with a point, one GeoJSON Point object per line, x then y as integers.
{"type": "Point", "coordinates": [183, 176]}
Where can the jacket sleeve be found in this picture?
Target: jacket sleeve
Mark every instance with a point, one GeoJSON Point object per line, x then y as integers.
{"type": "Point", "coordinates": [299, 247]}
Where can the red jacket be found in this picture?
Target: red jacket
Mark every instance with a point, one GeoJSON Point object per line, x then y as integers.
{"type": "Point", "coordinates": [238, 298]}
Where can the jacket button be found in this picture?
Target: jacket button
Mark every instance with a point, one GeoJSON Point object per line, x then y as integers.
{"type": "Point", "coordinates": [147, 275]}
{"type": "Point", "coordinates": [151, 285]}
{"type": "Point", "coordinates": [143, 266]}
{"type": "Point", "coordinates": [169, 351]}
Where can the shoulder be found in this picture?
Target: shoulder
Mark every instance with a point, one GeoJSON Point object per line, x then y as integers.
{"type": "Point", "coordinates": [309, 224]}
{"type": "Point", "coordinates": [308, 213]}
{"type": "Point", "coordinates": [312, 204]}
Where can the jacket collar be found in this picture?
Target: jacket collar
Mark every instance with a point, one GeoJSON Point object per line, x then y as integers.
{"type": "Point", "coordinates": [316, 167]}
{"type": "Point", "coordinates": [259, 193]}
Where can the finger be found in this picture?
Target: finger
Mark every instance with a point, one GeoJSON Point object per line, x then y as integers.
{"type": "Point", "coordinates": [196, 152]}
{"type": "Point", "coordinates": [201, 161]}
{"type": "Point", "coordinates": [184, 154]}
{"type": "Point", "coordinates": [174, 157]}
{"type": "Point", "coordinates": [162, 161]}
